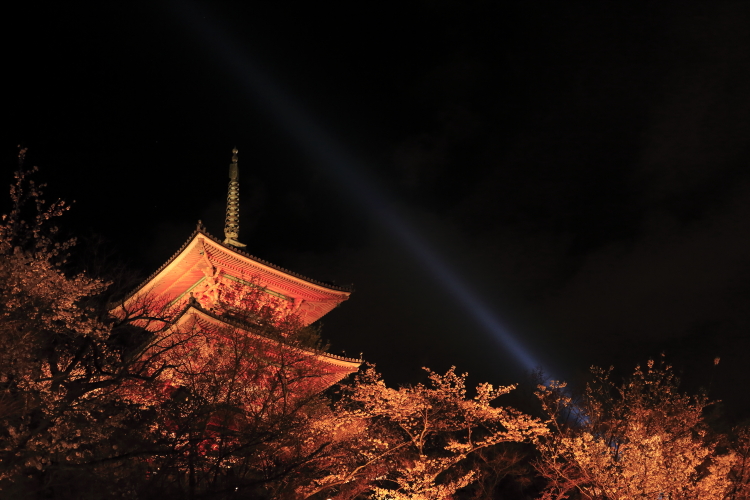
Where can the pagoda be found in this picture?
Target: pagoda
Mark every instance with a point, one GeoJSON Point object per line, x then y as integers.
{"type": "Point", "coordinates": [194, 289]}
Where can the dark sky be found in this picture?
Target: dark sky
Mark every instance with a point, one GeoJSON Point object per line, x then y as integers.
{"type": "Point", "coordinates": [581, 168]}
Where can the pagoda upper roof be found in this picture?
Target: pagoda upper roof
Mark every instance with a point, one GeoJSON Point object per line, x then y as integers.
{"type": "Point", "coordinates": [204, 255]}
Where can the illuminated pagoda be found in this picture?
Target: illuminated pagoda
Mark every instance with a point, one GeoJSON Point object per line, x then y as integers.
{"type": "Point", "coordinates": [205, 270]}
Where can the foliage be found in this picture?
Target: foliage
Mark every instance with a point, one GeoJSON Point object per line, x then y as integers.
{"type": "Point", "coordinates": [48, 340]}
{"type": "Point", "coordinates": [413, 442]}
{"type": "Point", "coordinates": [739, 443]}
{"type": "Point", "coordinates": [639, 439]}
{"type": "Point", "coordinates": [62, 363]}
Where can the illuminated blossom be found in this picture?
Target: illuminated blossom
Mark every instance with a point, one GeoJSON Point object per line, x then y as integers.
{"type": "Point", "coordinates": [641, 439]}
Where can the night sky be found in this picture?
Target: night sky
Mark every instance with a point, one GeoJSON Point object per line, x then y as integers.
{"type": "Point", "coordinates": [578, 171]}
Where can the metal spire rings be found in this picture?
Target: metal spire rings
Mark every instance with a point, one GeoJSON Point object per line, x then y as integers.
{"type": "Point", "coordinates": [232, 221]}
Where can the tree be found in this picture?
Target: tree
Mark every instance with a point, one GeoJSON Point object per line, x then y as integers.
{"type": "Point", "coordinates": [63, 358]}
{"type": "Point", "coordinates": [412, 442]}
{"type": "Point", "coordinates": [643, 438]}
{"type": "Point", "coordinates": [739, 443]}
{"type": "Point", "coordinates": [47, 338]}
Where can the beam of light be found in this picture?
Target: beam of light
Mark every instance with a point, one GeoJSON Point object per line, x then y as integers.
{"type": "Point", "coordinates": [348, 171]}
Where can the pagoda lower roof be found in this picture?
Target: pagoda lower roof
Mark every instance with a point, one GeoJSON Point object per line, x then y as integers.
{"type": "Point", "coordinates": [203, 255]}
{"type": "Point", "coordinates": [329, 368]}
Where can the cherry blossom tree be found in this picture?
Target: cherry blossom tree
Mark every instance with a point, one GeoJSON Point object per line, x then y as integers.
{"type": "Point", "coordinates": [739, 443]}
{"type": "Point", "coordinates": [412, 442]}
{"type": "Point", "coordinates": [62, 358]}
{"type": "Point", "coordinates": [643, 438]}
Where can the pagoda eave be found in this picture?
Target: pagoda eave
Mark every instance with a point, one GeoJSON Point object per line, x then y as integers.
{"type": "Point", "coordinates": [205, 257]}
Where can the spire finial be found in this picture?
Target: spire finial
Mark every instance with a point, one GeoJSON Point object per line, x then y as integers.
{"type": "Point", "coordinates": [232, 221]}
